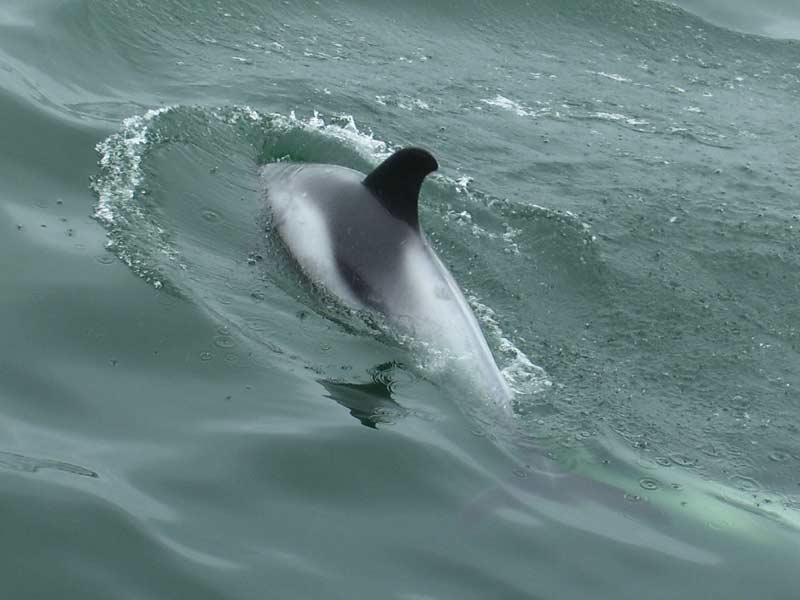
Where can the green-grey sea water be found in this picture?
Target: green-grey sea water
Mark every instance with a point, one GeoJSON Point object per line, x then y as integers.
{"type": "Point", "coordinates": [183, 416]}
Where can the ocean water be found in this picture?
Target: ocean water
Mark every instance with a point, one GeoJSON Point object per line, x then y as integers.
{"type": "Point", "coordinates": [183, 416]}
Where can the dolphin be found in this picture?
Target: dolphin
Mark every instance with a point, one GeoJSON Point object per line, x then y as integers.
{"type": "Point", "coordinates": [359, 237]}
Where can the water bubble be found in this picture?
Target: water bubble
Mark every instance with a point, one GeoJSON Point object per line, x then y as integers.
{"type": "Point", "coordinates": [649, 484]}
{"type": "Point", "coordinates": [257, 296]}
{"type": "Point", "coordinates": [210, 216]}
{"type": "Point", "coordinates": [633, 497]}
{"type": "Point", "coordinates": [520, 472]}
{"type": "Point", "coordinates": [206, 356]}
{"type": "Point", "coordinates": [664, 461]}
{"type": "Point", "coordinates": [231, 358]}
{"type": "Point", "coordinates": [105, 259]}
{"type": "Point", "coordinates": [676, 486]}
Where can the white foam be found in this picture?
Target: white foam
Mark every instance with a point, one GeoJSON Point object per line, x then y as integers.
{"type": "Point", "coordinates": [522, 375]}
{"type": "Point", "coordinates": [614, 76]}
{"type": "Point", "coordinates": [606, 116]}
{"type": "Point", "coordinates": [518, 108]}
{"type": "Point", "coordinates": [342, 128]}
{"type": "Point", "coordinates": [120, 157]}
{"type": "Point", "coordinates": [508, 104]}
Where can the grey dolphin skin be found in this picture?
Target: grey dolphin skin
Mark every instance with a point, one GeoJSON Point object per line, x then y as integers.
{"type": "Point", "coordinates": [359, 236]}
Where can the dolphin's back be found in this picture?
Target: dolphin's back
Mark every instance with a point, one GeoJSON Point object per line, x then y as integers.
{"type": "Point", "coordinates": [359, 237]}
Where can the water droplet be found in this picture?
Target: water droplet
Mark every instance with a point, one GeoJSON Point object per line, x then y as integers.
{"type": "Point", "coordinates": [224, 341]}
{"type": "Point", "coordinates": [205, 356]}
{"type": "Point", "coordinates": [649, 484]}
{"type": "Point", "coordinates": [210, 216]}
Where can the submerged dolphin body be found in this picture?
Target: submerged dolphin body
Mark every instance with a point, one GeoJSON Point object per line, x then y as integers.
{"type": "Point", "coordinates": [359, 237]}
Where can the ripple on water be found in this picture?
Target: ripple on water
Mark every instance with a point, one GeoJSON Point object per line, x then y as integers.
{"type": "Point", "coordinates": [682, 460]}
{"type": "Point", "coordinates": [779, 456]}
{"type": "Point", "coordinates": [224, 341]}
{"type": "Point", "coordinates": [210, 215]}
{"type": "Point", "coordinates": [746, 484]}
{"type": "Point", "coordinates": [20, 462]}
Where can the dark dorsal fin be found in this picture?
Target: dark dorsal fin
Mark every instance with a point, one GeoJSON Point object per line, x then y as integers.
{"type": "Point", "coordinates": [397, 180]}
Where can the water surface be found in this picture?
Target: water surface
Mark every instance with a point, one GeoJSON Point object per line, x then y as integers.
{"type": "Point", "coordinates": [182, 415]}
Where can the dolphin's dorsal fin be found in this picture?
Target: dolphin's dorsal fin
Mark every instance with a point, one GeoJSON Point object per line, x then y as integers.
{"type": "Point", "coordinates": [397, 180]}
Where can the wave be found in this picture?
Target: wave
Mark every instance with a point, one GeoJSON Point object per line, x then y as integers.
{"type": "Point", "coordinates": [179, 195]}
